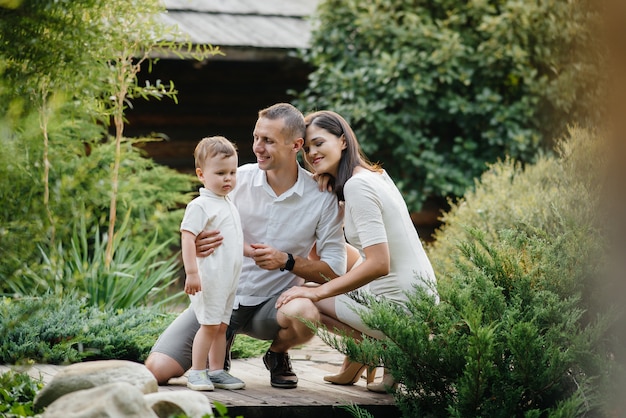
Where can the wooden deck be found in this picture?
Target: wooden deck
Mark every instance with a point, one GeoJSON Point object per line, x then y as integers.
{"type": "Point", "coordinates": [312, 398]}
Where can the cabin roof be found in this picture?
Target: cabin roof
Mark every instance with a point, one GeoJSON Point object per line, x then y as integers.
{"type": "Point", "coordinates": [271, 24]}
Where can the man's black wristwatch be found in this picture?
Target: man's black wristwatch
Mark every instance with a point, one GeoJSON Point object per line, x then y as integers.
{"type": "Point", "coordinates": [289, 264]}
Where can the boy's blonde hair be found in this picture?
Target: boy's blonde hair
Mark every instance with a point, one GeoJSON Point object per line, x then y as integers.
{"type": "Point", "coordinates": [211, 146]}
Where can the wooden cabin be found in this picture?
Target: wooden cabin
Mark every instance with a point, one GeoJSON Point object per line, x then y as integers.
{"type": "Point", "coordinates": [223, 94]}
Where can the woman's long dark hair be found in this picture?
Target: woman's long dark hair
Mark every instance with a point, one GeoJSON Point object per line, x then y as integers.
{"type": "Point", "coordinates": [352, 156]}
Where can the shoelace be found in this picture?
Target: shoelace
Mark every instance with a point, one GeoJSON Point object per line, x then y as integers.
{"type": "Point", "coordinates": [282, 362]}
{"type": "Point", "coordinates": [286, 365]}
{"type": "Point", "coordinates": [286, 362]}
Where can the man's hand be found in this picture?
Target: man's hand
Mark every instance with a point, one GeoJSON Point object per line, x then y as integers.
{"type": "Point", "coordinates": [207, 242]}
{"type": "Point", "coordinates": [267, 257]}
{"type": "Point", "coordinates": [248, 251]}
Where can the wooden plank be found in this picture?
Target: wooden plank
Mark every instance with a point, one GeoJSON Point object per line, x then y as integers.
{"type": "Point", "coordinates": [312, 390]}
{"type": "Point", "coordinates": [45, 372]}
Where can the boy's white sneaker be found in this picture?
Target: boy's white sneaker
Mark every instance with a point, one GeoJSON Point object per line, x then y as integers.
{"type": "Point", "coordinates": [223, 380]}
{"type": "Point", "coordinates": [199, 380]}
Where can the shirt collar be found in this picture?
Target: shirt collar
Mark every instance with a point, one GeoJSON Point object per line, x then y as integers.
{"type": "Point", "coordinates": [260, 180]}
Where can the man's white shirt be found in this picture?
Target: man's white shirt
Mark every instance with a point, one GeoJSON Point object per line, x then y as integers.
{"type": "Point", "coordinates": [292, 222]}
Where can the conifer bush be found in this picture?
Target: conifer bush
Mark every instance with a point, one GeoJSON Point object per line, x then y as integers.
{"type": "Point", "coordinates": [53, 330]}
{"type": "Point", "coordinates": [62, 330]}
{"type": "Point", "coordinates": [515, 332]}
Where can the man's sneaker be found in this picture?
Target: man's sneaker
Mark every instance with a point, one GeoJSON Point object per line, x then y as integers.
{"type": "Point", "coordinates": [281, 374]}
{"type": "Point", "coordinates": [223, 380]}
{"type": "Point", "coordinates": [199, 380]}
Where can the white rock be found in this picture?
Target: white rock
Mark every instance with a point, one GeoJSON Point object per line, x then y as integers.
{"type": "Point", "coordinates": [192, 404]}
{"type": "Point", "coordinates": [113, 400]}
{"type": "Point", "coordinates": [94, 374]}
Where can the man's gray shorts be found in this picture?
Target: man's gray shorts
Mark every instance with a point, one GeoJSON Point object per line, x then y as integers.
{"type": "Point", "coordinates": [256, 321]}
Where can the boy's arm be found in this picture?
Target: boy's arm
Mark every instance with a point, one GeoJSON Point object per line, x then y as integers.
{"type": "Point", "coordinates": [188, 248]}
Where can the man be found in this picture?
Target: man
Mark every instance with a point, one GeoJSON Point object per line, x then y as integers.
{"type": "Point", "coordinates": [283, 215]}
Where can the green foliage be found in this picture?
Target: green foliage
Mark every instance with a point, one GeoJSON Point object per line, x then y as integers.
{"type": "Point", "coordinates": [246, 347]}
{"type": "Point", "coordinates": [130, 50]}
{"type": "Point", "coordinates": [138, 275]}
{"type": "Point", "coordinates": [75, 50]}
{"type": "Point", "coordinates": [356, 411]}
{"type": "Point", "coordinates": [151, 195]}
{"type": "Point", "coordinates": [17, 392]}
{"type": "Point", "coordinates": [519, 262]}
{"type": "Point", "coordinates": [62, 330]}
{"type": "Point", "coordinates": [44, 43]}
{"type": "Point", "coordinates": [555, 197]}
{"type": "Point", "coordinates": [62, 64]}
{"type": "Point", "coordinates": [222, 411]}
{"type": "Point", "coordinates": [434, 90]}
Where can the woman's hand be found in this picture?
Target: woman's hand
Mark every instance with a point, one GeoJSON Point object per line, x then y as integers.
{"type": "Point", "coordinates": [207, 242]}
{"type": "Point", "coordinates": [324, 182]}
{"type": "Point", "coordinates": [297, 292]}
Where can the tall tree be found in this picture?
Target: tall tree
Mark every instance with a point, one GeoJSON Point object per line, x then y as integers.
{"type": "Point", "coordinates": [436, 89]}
{"type": "Point", "coordinates": [86, 54]}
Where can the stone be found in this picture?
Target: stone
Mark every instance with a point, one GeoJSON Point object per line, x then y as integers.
{"type": "Point", "coordinates": [192, 404]}
{"type": "Point", "coordinates": [112, 400]}
{"type": "Point", "coordinates": [93, 374]}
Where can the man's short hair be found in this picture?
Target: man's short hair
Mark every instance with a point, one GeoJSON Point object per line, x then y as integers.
{"type": "Point", "coordinates": [294, 120]}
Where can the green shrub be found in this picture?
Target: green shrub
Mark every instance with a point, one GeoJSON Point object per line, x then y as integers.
{"type": "Point", "coordinates": [62, 330]}
{"type": "Point", "coordinates": [138, 274]}
{"type": "Point", "coordinates": [555, 198]}
{"type": "Point", "coordinates": [152, 196]}
{"type": "Point", "coordinates": [246, 347]}
{"type": "Point", "coordinates": [17, 392]}
{"type": "Point", "coordinates": [437, 89]}
{"type": "Point", "coordinates": [518, 263]}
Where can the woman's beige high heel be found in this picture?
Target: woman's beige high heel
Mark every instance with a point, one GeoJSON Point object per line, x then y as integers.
{"type": "Point", "coordinates": [351, 374]}
{"type": "Point", "coordinates": [387, 384]}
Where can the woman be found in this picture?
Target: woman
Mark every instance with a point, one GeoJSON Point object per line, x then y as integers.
{"type": "Point", "coordinates": [376, 222]}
